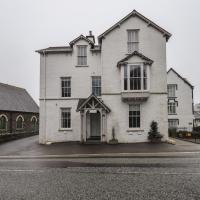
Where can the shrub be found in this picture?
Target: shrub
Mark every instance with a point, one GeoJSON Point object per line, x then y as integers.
{"type": "Point", "coordinates": [154, 135]}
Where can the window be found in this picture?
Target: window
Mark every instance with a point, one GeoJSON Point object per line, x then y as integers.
{"type": "Point", "coordinates": [173, 123]}
{"type": "Point", "coordinates": [171, 107]}
{"type": "Point", "coordinates": [134, 116]}
{"type": "Point", "coordinates": [171, 90]}
{"type": "Point", "coordinates": [135, 77]}
{"type": "Point", "coordinates": [96, 85]}
{"type": "Point", "coordinates": [133, 40]}
{"type": "Point", "coordinates": [19, 122]}
{"type": "Point", "coordinates": [65, 118]}
{"type": "Point", "coordinates": [82, 55]}
{"type": "Point", "coordinates": [66, 86]}
{"type": "Point", "coordinates": [34, 122]}
{"type": "Point", "coordinates": [3, 122]}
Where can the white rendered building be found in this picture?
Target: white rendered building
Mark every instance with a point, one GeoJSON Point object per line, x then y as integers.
{"type": "Point", "coordinates": [180, 101]}
{"type": "Point", "coordinates": [90, 91]}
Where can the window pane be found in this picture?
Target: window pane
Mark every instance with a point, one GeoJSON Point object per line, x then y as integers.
{"type": "Point", "coordinates": [66, 87]}
{"type": "Point", "coordinates": [65, 118]}
{"type": "Point", "coordinates": [134, 116]}
{"type": "Point", "coordinates": [133, 40]}
{"type": "Point", "coordinates": [171, 90]}
{"type": "Point", "coordinates": [82, 55]}
{"type": "Point", "coordinates": [96, 85]}
{"type": "Point", "coordinates": [135, 78]}
{"type": "Point", "coordinates": [2, 123]}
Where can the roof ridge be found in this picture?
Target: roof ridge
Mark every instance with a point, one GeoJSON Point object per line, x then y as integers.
{"type": "Point", "coordinates": [184, 79]}
{"type": "Point", "coordinates": [12, 86]}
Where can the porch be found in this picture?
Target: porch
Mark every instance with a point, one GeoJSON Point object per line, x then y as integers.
{"type": "Point", "coordinates": [93, 114]}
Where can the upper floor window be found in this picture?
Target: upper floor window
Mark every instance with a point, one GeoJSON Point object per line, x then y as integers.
{"type": "Point", "coordinates": [172, 108]}
{"type": "Point", "coordinates": [134, 116]}
{"type": "Point", "coordinates": [65, 118]}
{"type": "Point", "coordinates": [66, 86]}
{"type": "Point", "coordinates": [96, 85]}
{"type": "Point", "coordinates": [171, 88]}
{"type": "Point", "coordinates": [135, 77]}
{"type": "Point", "coordinates": [3, 122]}
{"type": "Point", "coordinates": [82, 55]}
{"type": "Point", "coordinates": [133, 40]}
{"type": "Point", "coordinates": [19, 122]}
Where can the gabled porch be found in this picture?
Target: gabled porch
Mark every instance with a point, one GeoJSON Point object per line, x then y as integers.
{"type": "Point", "coordinates": [93, 114]}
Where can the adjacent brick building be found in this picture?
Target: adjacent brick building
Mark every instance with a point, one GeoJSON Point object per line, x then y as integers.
{"type": "Point", "coordinates": [18, 111]}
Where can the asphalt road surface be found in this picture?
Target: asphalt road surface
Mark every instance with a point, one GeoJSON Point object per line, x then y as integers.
{"type": "Point", "coordinates": [169, 177]}
{"type": "Point", "coordinates": [101, 178]}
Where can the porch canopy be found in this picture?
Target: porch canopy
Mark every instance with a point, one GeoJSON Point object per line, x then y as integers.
{"type": "Point", "coordinates": [93, 118]}
{"type": "Point", "coordinates": [92, 102]}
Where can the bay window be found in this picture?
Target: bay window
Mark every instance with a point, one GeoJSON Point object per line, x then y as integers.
{"type": "Point", "coordinates": [135, 77]}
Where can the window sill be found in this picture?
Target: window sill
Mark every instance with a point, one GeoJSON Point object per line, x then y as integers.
{"type": "Point", "coordinates": [135, 130]}
{"type": "Point", "coordinates": [172, 113]}
{"type": "Point", "coordinates": [65, 97]}
{"type": "Point", "coordinates": [65, 129]}
{"type": "Point", "coordinates": [82, 66]}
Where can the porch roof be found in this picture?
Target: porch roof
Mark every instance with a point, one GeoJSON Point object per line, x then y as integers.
{"type": "Point", "coordinates": [84, 101]}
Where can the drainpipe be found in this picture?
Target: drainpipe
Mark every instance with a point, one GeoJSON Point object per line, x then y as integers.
{"type": "Point", "coordinates": [45, 135]}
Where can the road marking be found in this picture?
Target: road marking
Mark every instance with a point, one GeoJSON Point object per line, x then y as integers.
{"type": "Point", "coordinates": [20, 170]}
{"type": "Point", "coordinates": [105, 155]}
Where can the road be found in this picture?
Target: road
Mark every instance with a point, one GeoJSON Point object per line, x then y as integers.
{"type": "Point", "coordinates": [166, 177]}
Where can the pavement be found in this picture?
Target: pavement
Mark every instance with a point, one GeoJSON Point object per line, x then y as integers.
{"type": "Point", "coordinates": [29, 147]}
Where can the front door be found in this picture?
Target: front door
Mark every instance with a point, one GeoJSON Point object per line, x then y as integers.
{"type": "Point", "coordinates": [95, 125]}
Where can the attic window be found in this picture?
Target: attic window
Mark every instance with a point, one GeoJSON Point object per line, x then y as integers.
{"type": "Point", "coordinates": [133, 40]}
{"type": "Point", "coordinates": [82, 55]}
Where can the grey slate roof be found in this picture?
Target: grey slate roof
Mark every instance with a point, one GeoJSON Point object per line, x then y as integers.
{"type": "Point", "coordinates": [16, 99]}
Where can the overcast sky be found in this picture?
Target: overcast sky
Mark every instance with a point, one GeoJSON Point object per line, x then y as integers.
{"type": "Point", "coordinates": [28, 25]}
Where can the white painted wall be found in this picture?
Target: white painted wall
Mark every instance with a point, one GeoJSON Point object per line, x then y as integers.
{"type": "Point", "coordinates": [185, 101]}
{"type": "Point", "coordinates": [114, 48]}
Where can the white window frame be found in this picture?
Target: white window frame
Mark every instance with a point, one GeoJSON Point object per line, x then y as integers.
{"type": "Point", "coordinates": [172, 104]}
{"type": "Point", "coordinates": [171, 90]}
{"type": "Point", "coordinates": [2, 115]}
{"type": "Point", "coordinates": [66, 87]}
{"type": "Point", "coordinates": [98, 87]}
{"type": "Point", "coordinates": [173, 121]}
{"type": "Point", "coordinates": [132, 43]}
{"type": "Point", "coordinates": [142, 77]}
{"type": "Point", "coordinates": [34, 117]}
{"type": "Point", "coordinates": [81, 55]}
{"type": "Point", "coordinates": [60, 117]}
{"type": "Point", "coordinates": [20, 116]}
{"type": "Point", "coordinates": [138, 107]}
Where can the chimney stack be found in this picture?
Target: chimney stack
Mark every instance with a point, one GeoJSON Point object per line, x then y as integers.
{"type": "Point", "coordinates": [91, 37]}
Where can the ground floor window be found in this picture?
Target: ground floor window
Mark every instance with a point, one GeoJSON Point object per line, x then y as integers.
{"type": "Point", "coordinates": [134, 116]}
{"type": "Point", "coordinates": [19, 122]}
{"type": "Point", "coordinates": [34, 122]}
{"type": "Point", "coordinates": [3, 122]}
{"type": "Point", "coordinates": [65, 117]}
{"type": "Point", "coordinates": [173, 123]}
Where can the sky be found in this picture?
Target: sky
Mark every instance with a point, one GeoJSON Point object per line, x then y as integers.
{"type": "Point", "coordinates": [29, 25]}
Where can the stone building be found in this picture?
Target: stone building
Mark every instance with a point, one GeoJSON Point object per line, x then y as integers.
{"type": "Point", "coordinates": [18, 111]}
{"type": "Point", "coordinates": [91, 90]}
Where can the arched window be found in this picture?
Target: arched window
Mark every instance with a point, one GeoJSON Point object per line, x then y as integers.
{"type": "Point", "coordinates": [19, 122]}
{"type": "Point", "coordinates": [34, 122]}
{"type": "Point", "coordinates": [3, 122]}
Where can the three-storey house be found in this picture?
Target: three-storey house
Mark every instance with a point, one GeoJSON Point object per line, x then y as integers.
{"type": "Point", "coordinates": [113, 88]}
